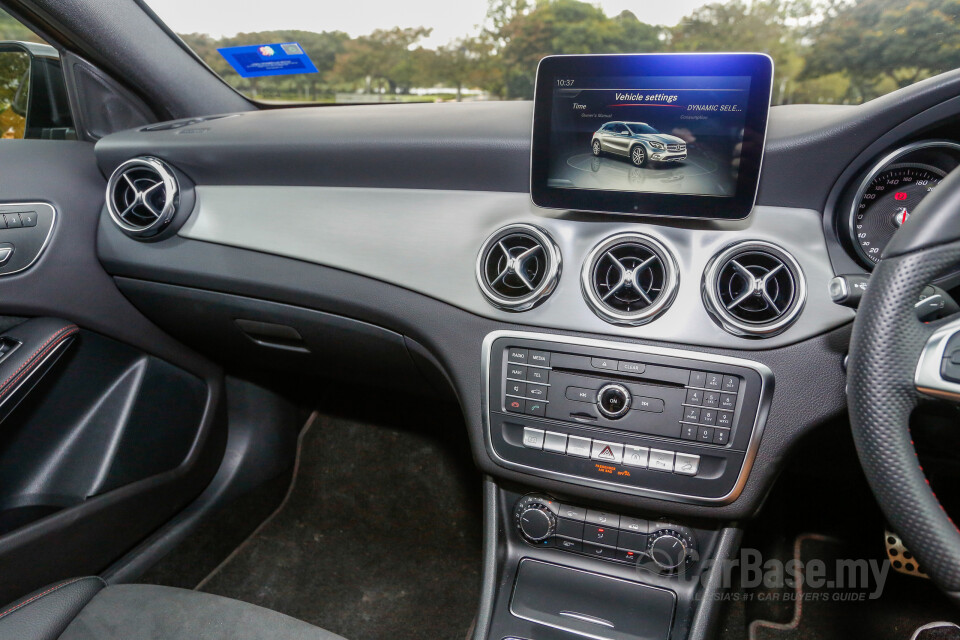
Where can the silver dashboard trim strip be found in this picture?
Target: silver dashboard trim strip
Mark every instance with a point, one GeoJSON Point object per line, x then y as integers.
{"type": "Point", "coordinates": [766, 397]}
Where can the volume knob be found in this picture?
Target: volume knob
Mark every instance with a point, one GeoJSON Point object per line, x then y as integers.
{"type": "Point", "coordinates": [537, 523]}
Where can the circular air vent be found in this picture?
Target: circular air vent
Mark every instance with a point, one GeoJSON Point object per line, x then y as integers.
{"type": "Point", "coordinates": [518, 267]}
{"type": "Point", "coordinates": [142, 196]}
{"type": "Point", "coordinates": [629, 279]}
{"type": "Point", "coordinates": [754, 289]}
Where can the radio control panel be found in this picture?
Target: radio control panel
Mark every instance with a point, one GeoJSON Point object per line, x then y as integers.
{"type": "Point", "coordinates": [671, 423]}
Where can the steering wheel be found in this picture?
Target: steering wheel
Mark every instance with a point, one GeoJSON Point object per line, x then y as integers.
{"type": "Point", "coordinates": [896, 361]}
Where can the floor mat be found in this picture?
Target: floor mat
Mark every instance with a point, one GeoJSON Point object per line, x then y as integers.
{"type": "Point", "coordinates": [379, 538]}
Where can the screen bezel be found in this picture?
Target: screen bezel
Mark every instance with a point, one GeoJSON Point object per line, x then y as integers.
{"type": "Point", "coordinates": [756, 65]}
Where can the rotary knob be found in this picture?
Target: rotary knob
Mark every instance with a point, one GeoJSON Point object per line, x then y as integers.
{"type": "Point", "coordinates": [536, 522]}
{"type": "Point", "coordinates": [613, 400]}
{"type": "Point", "coordinates": [668, 549]}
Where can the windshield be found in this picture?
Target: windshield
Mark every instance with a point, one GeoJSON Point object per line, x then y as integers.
{"type": "Point", "coordinates": [825, 51]}
{"type": "Point", "coordinates": [641, 128]}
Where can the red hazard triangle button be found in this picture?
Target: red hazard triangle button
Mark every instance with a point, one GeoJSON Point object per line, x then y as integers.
{"type": "Point", "coordinates": [607, 451]}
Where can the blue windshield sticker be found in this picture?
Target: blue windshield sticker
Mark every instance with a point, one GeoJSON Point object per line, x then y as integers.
{"type": "Point", "coordinates": [255, 61]}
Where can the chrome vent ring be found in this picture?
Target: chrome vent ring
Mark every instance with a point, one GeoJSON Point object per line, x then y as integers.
{"type": "Point", "coordinates": [142, 196]}
{"type": "Point", "coordinates": [629, 279]}
{"type": "Point", "coordinates": [754, 288]}
{"type": "Point", "coordinates": [518, 267]}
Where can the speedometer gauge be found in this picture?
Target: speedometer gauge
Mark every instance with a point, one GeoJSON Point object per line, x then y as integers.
{"type": "Point", "coordinates": [889, 193]}
{"type": "Point", "coordinates": [887, 203]}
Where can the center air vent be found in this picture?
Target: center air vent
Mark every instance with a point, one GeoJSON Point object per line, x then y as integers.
{"type": "Point", "coordinates": [754, 289]}
{"type": "Point", "coordinates": [142, 196]}
{"type": "Point", "coordinates": [629, 279]}
{"type": "Point", "coordinates": [518, 267]}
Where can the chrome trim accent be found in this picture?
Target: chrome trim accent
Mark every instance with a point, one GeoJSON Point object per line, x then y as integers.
{"type": "Point", "coordinates": [730, 322]}
{"type": "Point", "coordinates": [46, 241]}
{"type": "Point", "coordinates": [763, 410]}
{"type": "Point", "coordinates": [543, 290]}
{"type": "Point", "coordinates": [171, 195]}
{"type": "Point", "coordinates": [927, 378]}
{"type": "Point", "coordinates": [876, 169]}
{"type": "Point", "coordinates": [623, 410]}
{"type": "Point", "coordinates": [585, 618]}
{"type": "Point", "coordinates": [671, 280]}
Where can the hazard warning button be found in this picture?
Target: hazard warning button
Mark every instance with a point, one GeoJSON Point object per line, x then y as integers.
{"type": "Point", "coordinates": [607, 451]}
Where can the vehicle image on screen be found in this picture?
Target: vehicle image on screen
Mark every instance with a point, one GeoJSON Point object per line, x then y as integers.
{"type": "Point", "coordinates": [638, 141]}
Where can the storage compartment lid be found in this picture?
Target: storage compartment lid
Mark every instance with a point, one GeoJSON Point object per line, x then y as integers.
{"type": "Point", "coordinates": [591, 605]}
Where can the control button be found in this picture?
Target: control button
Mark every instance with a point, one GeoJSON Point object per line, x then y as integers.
{"type": "Point", "coordinates": [12, 220]}
{"type": "Point", "coordinates": [705, 434]}
{"type": "Point", "coordinates": [708, 416]}
{"type": "Point", "coordinates": [697, 379]}
{"type": "Point", "coordinates": [661, 460]}
{"type": "Point", "coordinates": [714, 381]}
{"type": "Point", "coordinates": [711, 399]}
{"type": "Point", "coordinates": [535, 408]}
{"type": "Point", "coordinates": [554, 442]}
{"type": "Point", "coordinates": [6, 252]}
{"type": "Point", "coordinates": [516, 371]}
{"type": "Point", "coordinates": [28, 218]}
{"type": "Point", "coordinates": [686, 464]}
{"type": "Point", "coordinates": [724, 419]}
{"type": "Point", "coordinates": [607, 451]}
{"type": "Point", "coordinates": [541, 358]}
{"type": "Point", "coordinates": [635, 456]}
{"type": "Point", "coordinates": [731, 383]}
{"type": "Point", "coordinates": [613, 400]}
{"type": "Point", "coordinates": [688, 432]}
{"type": "Point", "coordinates": [517, 356]}
{"type": "Point", "coordinates": [579, 447]}
{"type": "Point", "coordinates": [668, 550]}
{"type": "Point", "coordinates": [569, 545]}
{"type": "Point", "coordinates": [514, 405]}
{"type": "Point", "coordinates": [600, 535]}
{"type": "Point", "coordinates": [516, 388]}
{"type": "Point", "coordinates": [570, 528]}
{"type": "Point", "coordinates": [603, 518]}
{"type": "Point", "coordinates": [691, 414]}
{"type": "Point", "coordinates": [625, 555]}
{"type": "Point", "coordinates": [721, 436]}
{"type": "Point", "coordinates": [728, 401]}
{"type": "Point", "coordinates": [632, 541]}
{"type": "Point", "coordinates": [540, 376]}
{"type": "Point", "coordinates": [537, 523]}
{"type": "Point", "coordinates": [573, 513]}
{"type": "Point", "coordinates": [599, 552]}
{"type": "Point", "coordinates": [631, 367]}
{"type": "Point", "coordinates": [653, 405]}
{"type": "Point", "coordinates": [537, 391]}
{"type": "Point", "coordinates": [579, 394]}
{"type": "Point", "coordinates": [694, 396]}
{"type": "Point", "coordinates": [604, 363]}
{"type": "Point", "coordinates": [635, 525]}
{"type": "Point", "coordinates": [533, 438]}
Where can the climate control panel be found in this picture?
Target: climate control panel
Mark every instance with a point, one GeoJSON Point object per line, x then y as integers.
{"type": "Point", "coordinates": [637, 419]}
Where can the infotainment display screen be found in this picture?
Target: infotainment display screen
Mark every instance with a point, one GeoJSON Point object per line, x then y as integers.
{"type": "Point", "coordinates": [677, 135]}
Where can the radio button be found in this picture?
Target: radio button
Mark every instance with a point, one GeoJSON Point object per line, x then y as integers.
{"type": "Point", "coordinates": [554, 442]}
{"type": "Point", "coordinates": [613, 400]}
{"type": "Point", "coordinates": [631, 367]}
{"type": "Point", "coordinates": [579, 394]}
{"type": "Point", "coordinates": [607, 451]}
{"type": "Point", "coordinates": [653, 405]}
{"type": "Point", "coordinates": [604, 363]}
{"type": "Point", "coordinates": [661, 460]}
{"type": "Point", "coordinates": [517, 356]}
{"type": "Point", "coordinates": [635, 456]}
{"type": "Point", "coordinates": [540, 358]}
{"type": "Point", "coordinates": [533, 438]}
{"type": "Point", "coordinates": [579, 447]}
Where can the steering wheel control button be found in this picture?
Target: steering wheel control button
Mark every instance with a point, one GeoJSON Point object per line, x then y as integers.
{"type": "Point", "coordinates": [634, 456]}
{"type": "Point", "coordinates": [604, 363]}
{"type": "Point", "coordinates": [579, 447]}
{"type": "Point", "coordinates": [661, 460]}
{"type": "Point", "coordinates": [632, 367]}
{"type": "Point", "coordinates": [579, 394]}
{"type": "Point", "coordinates": [613, 400]}
{"type": "Point", "coordinates": [607, 451]}
{"type": "Point", "coordinates": [686, 464]}
{"type": "Point", "coordinates": [555, 442]}
{"type": "Point", "coordinates": [533, 438]}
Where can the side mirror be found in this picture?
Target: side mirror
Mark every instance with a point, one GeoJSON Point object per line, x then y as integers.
{"type": "Point", "coordinates": [33, 96]}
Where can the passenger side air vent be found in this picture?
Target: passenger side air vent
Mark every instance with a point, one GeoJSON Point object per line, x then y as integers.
{"type": "Point", "coordinates": [754, 289]}
{"type": "Point", "coordinates": [142, 196]}
{"type": "Point", "coordinates": [629, 279]}
{"type": "Point", "coordinates": [518, 267]}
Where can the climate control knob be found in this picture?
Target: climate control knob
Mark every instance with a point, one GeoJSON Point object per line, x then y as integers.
{"type": "Point", "coordinates": [613, 400]}
{"type": "Point", "coordinates": [537, 523]}
{"type": "Point", "coordinates": [669, 549]}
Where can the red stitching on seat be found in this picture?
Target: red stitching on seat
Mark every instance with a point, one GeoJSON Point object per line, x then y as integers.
{"type": "Point", "coordinates": [59, 336]}
{"type": "Point", "coordinates": [40, 595]}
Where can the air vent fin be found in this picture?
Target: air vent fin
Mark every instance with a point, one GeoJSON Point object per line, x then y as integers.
{"type": "Point", "coordinates": [518, 267]}
{"type": "Point", "coordinates": [142, 196]}
{"type": "Point", "coordinates": [754, 289]}
{"type": "Point", "coordinates": [629, 279]}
